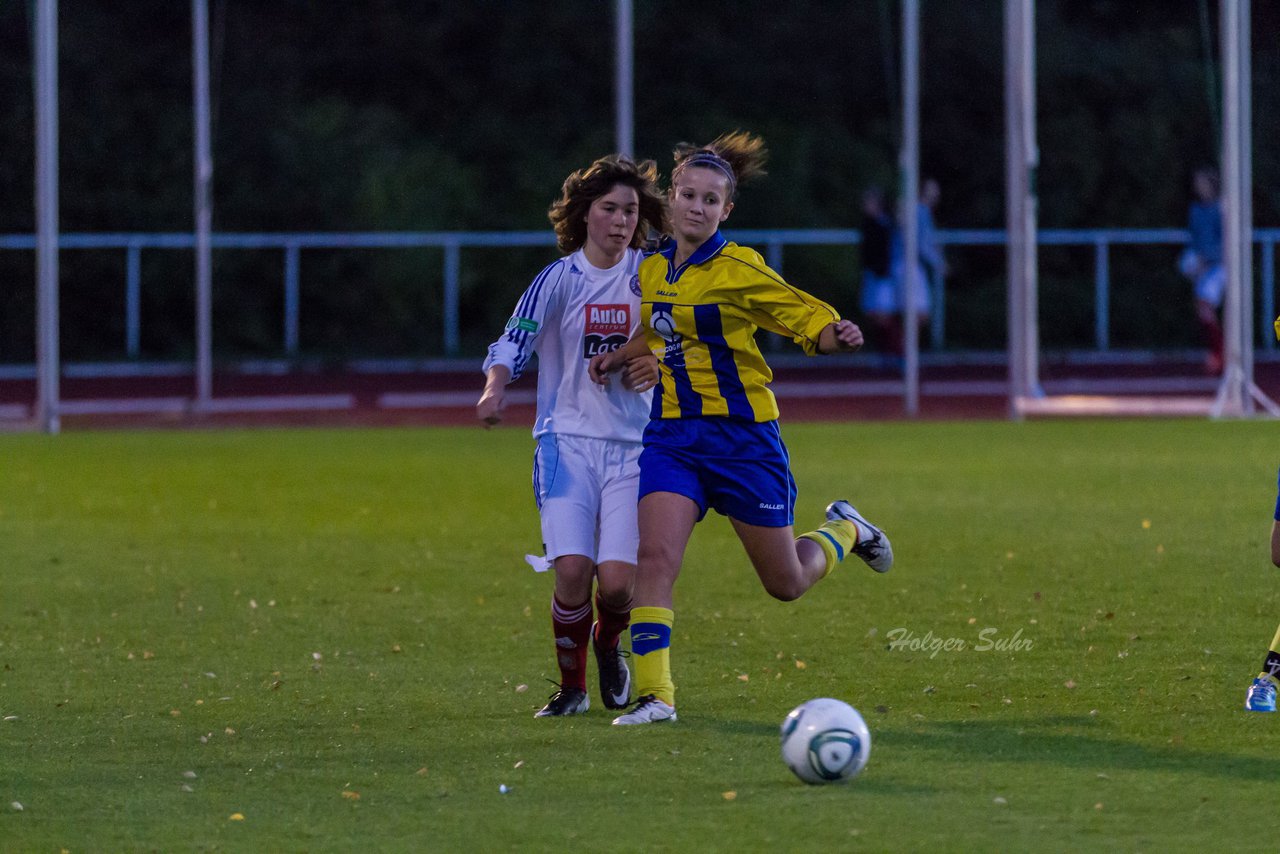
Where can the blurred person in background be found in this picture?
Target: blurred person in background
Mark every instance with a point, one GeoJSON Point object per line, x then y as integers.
{"type": "Point", "coordinates": [879, 292]}
{"type": "Point", "coordinates": [1201, 261]}
{"type": "Point", "coordinates": [930, 267]}
{"type": "Point", "coordinates": [585, 469]}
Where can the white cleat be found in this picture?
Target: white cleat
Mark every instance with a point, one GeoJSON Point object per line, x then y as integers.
{"type": "Point", "coordinates": [649, 710]}
{"type": "Point", "coordinates": [872, 546]}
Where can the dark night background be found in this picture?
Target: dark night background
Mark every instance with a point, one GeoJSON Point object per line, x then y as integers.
{"type": "Point", "coordinates": [385, 115]}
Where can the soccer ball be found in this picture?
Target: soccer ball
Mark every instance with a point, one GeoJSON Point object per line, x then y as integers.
{"type": "Point", "coordinates": [825, 741]}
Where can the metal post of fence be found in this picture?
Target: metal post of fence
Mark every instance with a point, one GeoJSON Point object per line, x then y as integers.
{"type": "Point", "coordinates": [291, 252]}
{"type": "Point", "coordinates": [452, 262]}
{"type": "Point", "coordinates": [203, 191]}
{"type": "Point", "coordinates": [773, 257]}
{"type": "Point", "coordinates": [1101, 295]}
{"type": "Point", "coordinates": [909, 170]}
{"type": "Point", "coordinates": [624, 77]}
{"type": "Point", "coordinates": [1268, 294]}
{"type": "Point", "coordinates": [48, 341]}
{"type": "Point", "coordinates": [133, 299]}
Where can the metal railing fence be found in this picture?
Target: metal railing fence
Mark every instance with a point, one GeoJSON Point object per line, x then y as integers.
{"type": "Point", "coordinates": [772, 241]}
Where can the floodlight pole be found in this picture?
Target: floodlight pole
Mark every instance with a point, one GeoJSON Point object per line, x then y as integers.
{"type": "Point", "coordinates": [1021, 161]}
{"type": "Point", "coordinates": [203, 204]}
{"type": "Point", "coordinates": [48, 367]}
{"type": "Point", "coordinates": [624, 77]}
{"type": "Point", "coordinates": [909, 164]}
{"type": "Point", "coordinates": [1237, 393]}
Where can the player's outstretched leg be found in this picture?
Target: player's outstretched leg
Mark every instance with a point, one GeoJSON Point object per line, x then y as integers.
{"type": "Point", "coordinates": [846, 530]}
{"type": "Point", "coordinates": [1261, 696]}
{"type": "Point", "coordinates": [872, 545]}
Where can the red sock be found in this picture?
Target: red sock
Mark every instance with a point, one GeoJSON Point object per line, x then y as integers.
{"type": "Point", "coordinates": [572, 627]}
{"type": "Point", "coordinates": [610, 623]}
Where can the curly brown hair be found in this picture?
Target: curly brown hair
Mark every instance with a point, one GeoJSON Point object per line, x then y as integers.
{"type": "Point", "coordinates": [568, 214]}
{"type": "Point", "coordinates": [740, 155]}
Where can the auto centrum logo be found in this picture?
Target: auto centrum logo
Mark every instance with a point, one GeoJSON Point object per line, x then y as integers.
{"type": "Point", "coordinates": [605, 328]}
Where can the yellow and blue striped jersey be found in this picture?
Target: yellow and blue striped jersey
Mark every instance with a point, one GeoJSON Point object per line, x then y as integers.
{"type": "Point", "coordinates": [700, 321]}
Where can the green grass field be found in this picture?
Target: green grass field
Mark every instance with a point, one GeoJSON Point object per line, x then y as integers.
{"type": "Point", "coordinates": [328, 640]}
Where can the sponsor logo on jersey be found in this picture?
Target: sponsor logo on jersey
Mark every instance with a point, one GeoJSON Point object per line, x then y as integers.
{"type": "Point", "coordinates": [524, 324]}
{"type": "Point", "coordinates": [664, 324]}
{"type": "Point", "coordinates": [634, 284]}
{"type": "Point", "coordinates": [764, 506]}
{"type": "Point", "coordinates": [605, 329]}
{"type": "Point", "coordinates": [661, 322]}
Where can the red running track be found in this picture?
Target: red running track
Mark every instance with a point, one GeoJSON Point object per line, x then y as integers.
{"type": "Point", "coordinates": [836, 389]}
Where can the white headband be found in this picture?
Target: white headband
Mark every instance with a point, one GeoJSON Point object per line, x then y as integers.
{"type": "Point", "coordinates": [715, 161]}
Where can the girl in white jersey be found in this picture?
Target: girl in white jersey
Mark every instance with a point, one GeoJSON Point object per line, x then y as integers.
{"type": "Point", "coordinates": [585, 471]}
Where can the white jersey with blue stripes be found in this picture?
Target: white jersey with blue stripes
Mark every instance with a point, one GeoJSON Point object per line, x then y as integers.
{"type": "Point", "coordinates": [569, 313]}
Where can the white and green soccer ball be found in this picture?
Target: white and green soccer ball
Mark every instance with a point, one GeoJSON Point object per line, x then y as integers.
{"type": "Point", "coordinates": [825, 741]}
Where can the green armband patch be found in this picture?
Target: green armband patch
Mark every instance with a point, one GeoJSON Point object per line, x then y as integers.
{"type": "Point", "coordinates": [524, 324]}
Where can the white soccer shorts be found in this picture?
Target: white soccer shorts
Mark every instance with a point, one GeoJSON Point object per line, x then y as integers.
{"type": "Point", "coordinates": [587, 490]}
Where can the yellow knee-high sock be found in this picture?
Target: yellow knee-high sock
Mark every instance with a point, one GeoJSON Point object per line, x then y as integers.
{"type": "Point", "coordinates": [1271, 667]}
{"type": "Point", "coordinates": [651, 652]}
{"type": "Point", "coordinates": [836, 538]}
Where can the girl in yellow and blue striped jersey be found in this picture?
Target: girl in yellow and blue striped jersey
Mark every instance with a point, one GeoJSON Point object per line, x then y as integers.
{"type": "Point", "coordinates": [713, 441]}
